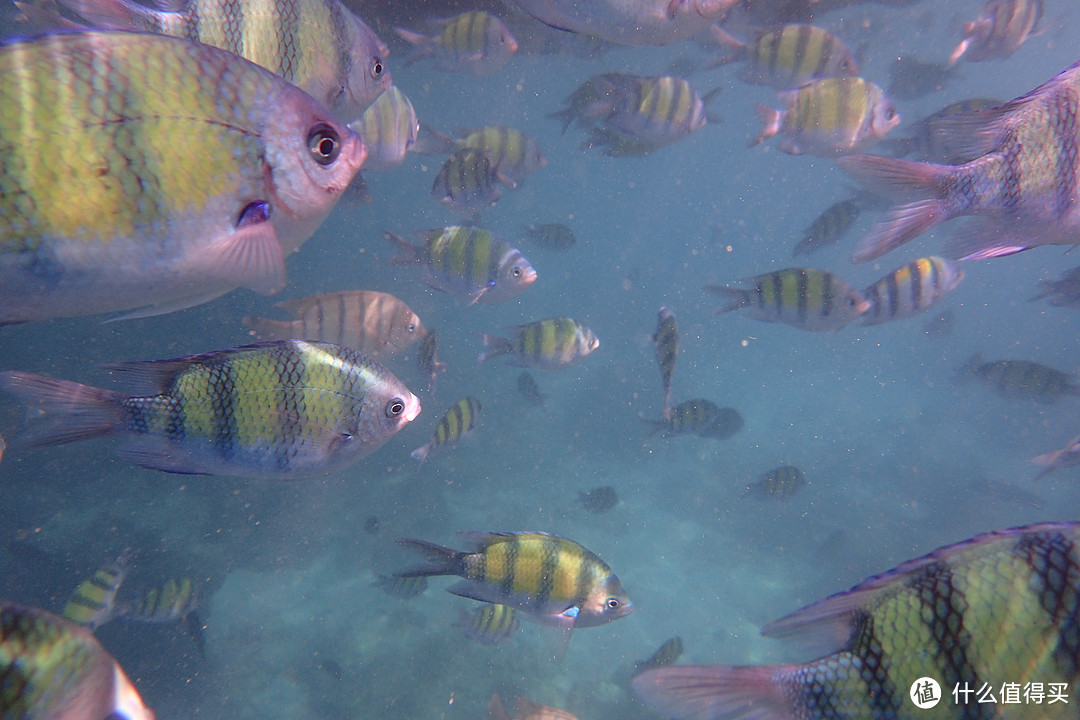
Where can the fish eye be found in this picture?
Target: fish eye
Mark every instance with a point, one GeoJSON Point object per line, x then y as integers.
{"type": "Point", "coordinates": [516, 272]}
{"type": "Point", "coordinates": [376, 68]}
{"type": "Point", "coordinates": [612, 603]}
{"type": "Point", "coordinates": [395, 407]}
{"type": "Point", "coordinates": [412, 327]}
{"type": "Point", "coordinates": [890, 113]}
{"type": "Point", "coordinates": [324, 144]}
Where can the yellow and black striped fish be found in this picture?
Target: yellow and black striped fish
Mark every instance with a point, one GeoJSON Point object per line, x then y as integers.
{"type": "Point", "coordinates": [828, 227]}
{"type": "Point", "coordinates": [513, 154]}
{"type": "Point", "coordinates": [171, 601]}
{"type": "Point", "coordinates": [790, 56]}
{"type": "Point", "coordinates": [317, 45]}
{"type": "Point", "coordinates": [93, 603]}
{"type": "Point", "coordinates": [666, 343]}
{"type": "Point", "coordinates": [800, 297]}
{"type": "Point", "coordinates": [549, 344]}
{"type": "Point", "coordinates": [780, 482]}
{"type": "Point", "coordinates": [489, 624]}
{"type": "Point", "coordinates": [54, 669]}
{"type": "Point", "coordinates": [405, 588]}
{"type": "Point", "coordinates": [580, 104]}
{"type": "Point", "coordinates": [703, 418]}
{"type": "Point", "coordinates": [1020, 379]}
{"type": "Point", "coordinates": [459, 421]}
{"type": "Point", "coordinates": [468, 262]}
{"type": "Point", "coordinates": [994, 610]}
{"type": "Point", "coordinates": [829, 117]}
{"type": "Point", "coordinates": [469, 181]}
{"type": "Point", "coordinates": [388, 128]}
{"type": "Point", "coordinates": [375, 323]}
{"type": "Point", "coordinates": [1003, 27]}
{"type": "Point", "coordinates": [638, 115]}
{"type": "Point", "coordinates": [910, 290]}
{"type": "Point", "coordinates": [554, 580]}
{"type": "Point", "coordinates": [473, 41]}
{"type": "Point", "coordinates": [283, 409]}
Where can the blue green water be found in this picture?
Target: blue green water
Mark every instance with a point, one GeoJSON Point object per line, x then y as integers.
{"type": "Point", "coordinates": [899, 459]}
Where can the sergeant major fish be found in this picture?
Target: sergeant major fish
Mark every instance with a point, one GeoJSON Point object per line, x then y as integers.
{"type": "Point", "coordinates": [552, 580]}
{"type": "Point", "coordinates": [1022, 182]}
{"type": "Point", "coordinates": [469, 181]}
{"type": "Point", "coordinates": [1003, 27]}
{"type": "Point", "coordinates": [475, 42]}
{"type": "Point", "coordinates": [55, 669]}
{"type": "Point", "coordinates": [1020, 379]}
{"type": "Point", "coordinates": [790, 56]}
{"type": "Point", "coordinates": [703, 418]}
{"type": "Point", "coordinates": [389, 129]}
{"type": "Point", "coordinates": [458, 422]}
{"type": "Point", "coordinates": [489, 624]}
{"type": "Point", "coordinates": [512, 153]}
{"type": "Point", "coordinates": [666, 344]}
{"type": "Point", "coordinates": [550, 344]}
{"type": "Point", "coordinates": [828, 227]}
{"type": "Point", "coordinates": [910, 290]}
{"type": "Point", "coordinates": [160, 174]}
{"type": "Point", "coordinates": [282, 410]}
{"type": "Point", "coordinates": [800, 297]}
{"type": "Point", "coordinates": [93, 603]}
{"type": "Point", "coordinates": [780, 482]}
{"type": "Point", "coordinates": [1000, 605]}
{"type": "Point", "coordinates": [317, 45]}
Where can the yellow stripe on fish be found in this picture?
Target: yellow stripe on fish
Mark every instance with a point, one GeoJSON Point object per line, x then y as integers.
{"type": "Point", "coordinates": [458, 421]}
{"type": "Point", "coordinates": [910, 289]}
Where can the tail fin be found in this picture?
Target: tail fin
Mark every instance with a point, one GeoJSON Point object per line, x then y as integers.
{"type": "Point", "coordinates": [736, 298]}
{"type": "Point", "coordinates": [74, 411]}
{"type": "Point", "coordinates": [407, 253]}
{"type": "Point", "coordinates": [422, 45]}
{"type": "Point", "coordinates": [434, 142]}
{"type": "Point", "coordinates": [498, 345]}
{"type": "Point", "coordinates": [689, 692]}
{"type": "Point", "coordinates": [771, 120]}
{"type": "Point", "coordinates": [441, 560]}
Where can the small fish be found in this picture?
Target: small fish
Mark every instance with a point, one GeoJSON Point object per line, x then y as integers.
{"type": "Point", "coordinates": [666, 343]}
{"type": "Point", "coordinates": [1067, 456]}
{"type": "Point", "coordinates": [388, 128]}
{"type": "Point", "coordinates": [642, 114]}
{"type": "Point", "coordinates": [55, 669]}
{"type": "Point", "coordinates": [475, 42]}
{"type": "Point", "coordinates": [791, 56]}
{"type": "Point", "coordinates": [468, 182]}
{"type": "Point", "coordinates": [939, 616]}
{"type": "Point", "coordinates": [1020, 379]}
{"type": "Point", "coordinates": [489, 624]}
{"type": "Point", "coordinates": [829, 117]}
{"type": "Point", "coordinates": [665, 655]}
{"type": "Point", "coordinates": [800, 297]}
{"type": "Point", "coordinates": [530, 390]}
{"type": "Point", "coordinates": [283, 409]}
{"type": "Point", "coordinates": [702, 418]}
{"type": "Point", "coordinates": [525, 709]}
{"type": "Point", "coordinates": [599, 500]}
{"type": "Point", "coordinates": [828, 227]}
{"type": "Point", "coordinates": [1003, 27]}
{"type": "Point", "coordinates": [513, 154]}
{"type": "Point", "coordinates": [552, 236]}
{"type": "Point", "coordinates": [1022, 182]}
{"type": "Point", "coordinates": [374, 323]}
{"type": "Point", "coordinates": [594, 92]}
{"type": "Point", "coordinates": [402, 587]}
{"type": "Point", "coordinates": [457, 423]}
{"type": "Point", "coordinates": [1064, 292]}
{"type": "Point", "coordinates": [553, 580]}
{"type": "Point", "coordinates": [913, 78]}
{"type": "Point", "coordinates": [171, 601]}
{"type": "Point", "coordinates": [630, 22]}
{"type": "Point", "coordinates": [468, 262]}
{"type": "Point", "coordinates": [550, 344]}
{"type": "Point", "coordinates": [427, 358]}
{"type": "Point", "coordinates": [910, 290]}
{"type": "Point", "coordinates": [176, 172]}
{"type": "Point", "coordinates": [93, 603]}
{"type": "Point", "coordinates": [781, 482]}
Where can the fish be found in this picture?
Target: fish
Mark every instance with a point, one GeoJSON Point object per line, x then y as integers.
{"type": "Point", "coordinates": [530, 390]}
{"type": "Point", "coordinates": [552, 580]}
{"type": "Point", "coordinates": [1021, 183]}
{"type": "Point", "coordinates": [468, 262]}
{"type": "Point", "coordinates": [55, 669]}
{"type": "Point", "coordinates": [457, 423]}
{"type": "Point", "coordinates": [549, 344]}
{"type": "Point", "coordinates": [171, 601]}
{"type": "Point", "coordinates": [666, 344]}
{"type": "Point", "coordinates": [468, 182]}
{"type": "Point", "coordinates": [552, 236]}
{"type": "Point", "coordinates": [829, 117]}
{"type": "Point", "coordinates": [525, 709]}
{"type": "Point", "coordinates": [703, 418]}
{"type": "Point", "coordinates": [93, 603]}
{"type": "Point", "coordinates": [1020, 379]}
{"type": "Point", "coordinates": [317, 45]}
{"type": "Point", "coordinates": [913, 78]}
{"type": "Point", "coordinates": [630, 22]}
{"type": "Point", "coordinates": [599, 500]}
{"type": "Point", "coordinates": [1002, 28]}
{"type": "Point", "coordinates": [1064, 292]}
{"type": "Point", "coordinates": [474, 41]}
{"type": "Point", "coordinates": [828, 227]}
{"type": "Point", "coordinates": [389, 129]}
{"type": "Point", "coordinates": [667, 654]}
{"type": "Point", "coordinates": [787, 57]}
{"type": "Point", "coordinates": [939, 616]}
{"type": "Point", "coordinates": [804, 298]}
{"type": "Point", "coordinates": [283, 409]}
{"type": "Point", "coordinates": [375, 323]}
{"type": "Point", "coordinates": [594, 92]}
{"type": "Point", "coordinates": [513, 154]}
{"type": "Point", "coordinates": [427, 358]}
{"type": "Point", "coordinates": [910, 290]}
{"type": "Point", "coordinates": [1067, 456]}
{"type": "Point", "coordinates": [402, 587]}
{"type": "Point", "coordinates": [781, 482]}
{"type": "Point", "coordinates": [489, 624]}
{"type": "Point", "coordinates": [172, 174]}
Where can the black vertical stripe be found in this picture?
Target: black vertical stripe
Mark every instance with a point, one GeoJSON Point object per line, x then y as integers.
{"type": "Point", "coordinates": [873, 668]}
{"type": "Point", "coordinates": [828, 296]}
{"type": "Point", "coordinates": [1056, 581]}
{"type": "Point", "coordinates": [802, 294]}
{"type": "Point", "coordinates": [550, 548]}
{"type": "Point", "coordinates": [222, 388]}
{"type": "Point", "coordinates": [290, 402]}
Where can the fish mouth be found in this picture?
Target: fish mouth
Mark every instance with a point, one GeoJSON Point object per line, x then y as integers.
{"type": "Point", "coordinates": [412, 408]}
{"type": "Point", "coordinates": [528, 277]}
